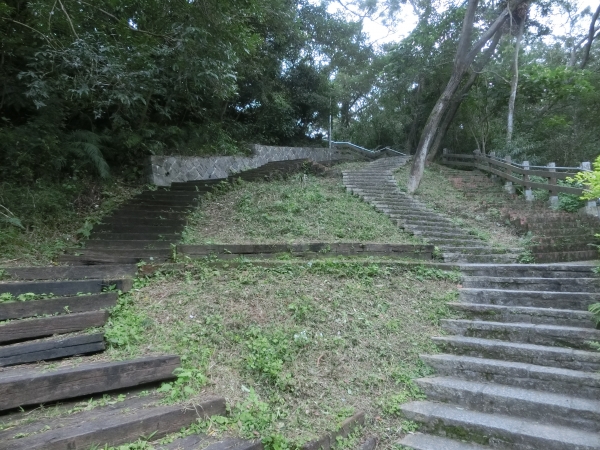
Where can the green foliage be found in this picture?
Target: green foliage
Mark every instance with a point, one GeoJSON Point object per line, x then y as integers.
{"type": "Point", "coordinates": [595, 310]}
{"type": "Point", "coordinates": [591, 181]}
{"type": "Point", "coordinates": [124, 327]}
{"type": "Point", "coordinates": [267, 352]}
{"type": "Point", "coordinates": [187, 384]}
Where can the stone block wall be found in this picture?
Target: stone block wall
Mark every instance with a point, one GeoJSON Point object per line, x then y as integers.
{"type": "Point", "coordinates": [165, 170]}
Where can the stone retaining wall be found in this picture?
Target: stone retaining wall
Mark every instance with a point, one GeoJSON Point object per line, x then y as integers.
{"type": "Point", "coordinates": [168, 169]}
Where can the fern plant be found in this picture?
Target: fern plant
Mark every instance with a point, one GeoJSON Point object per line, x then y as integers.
{"type": "Point", "coordinates": [595, 310]}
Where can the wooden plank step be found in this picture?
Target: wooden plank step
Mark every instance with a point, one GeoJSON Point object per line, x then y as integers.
{"type": "Point", "coordinates": [159, 237]}
{"type": "Point", "coordinates": [93, 259]}
{"type": "Point", "coordinates": [136, 228]}
{"type": "Point", "coordinates": [115, 425]}
{"type": "Point", "coordinates": [48, 349]}
{"type": "Point", "coordinates": [121, 253]}
{"type": "Point", "coordinates": [48, 326]}
{"type": "Point", "coordinates": [156, 209]}
{"type": "Point", "coordinates": [72, 273]}
{"type": "Point", "coordinates": [155, 221]}
{"type": "Point", "coordinates": [95, 244]}
{"type": "Point", "coordinates": [67, 287]}
{"type": "Point", "coordinates": [124, 213]}
{"type": "Point", "coordinates": [60, 305]}
{"type": "Point", "coordinates": [20, 387]}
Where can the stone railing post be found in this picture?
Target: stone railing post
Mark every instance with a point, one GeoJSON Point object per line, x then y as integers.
{"type": "Point", "coordinates": [492, 155]}
{"type": "Point", "coordinates": [528, 191]}
{"type": "Point", "coordinates": [508, 186]}
{"type": "Point", "coordinates": [552, 183]}
{"type": "Point", "coordinates": [591, 207]}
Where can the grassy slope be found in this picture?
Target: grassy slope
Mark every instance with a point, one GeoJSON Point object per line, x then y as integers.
{"type": "Point", "coordinates": [310, 209]}
{"type": "Point", "coordinates": [437, 192]}
{"type": "Point", "coordinates": [314, 342]}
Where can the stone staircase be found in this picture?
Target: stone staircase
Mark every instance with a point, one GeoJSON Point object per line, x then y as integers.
{"type": "Point", "coordinates": [375, 184]}
{"type": "Point", "coordinates": [556, 236]}
{"type": "Point", "coordinates": [518, 372]}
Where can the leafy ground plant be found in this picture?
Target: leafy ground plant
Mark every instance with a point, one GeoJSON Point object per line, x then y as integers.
{"type": "Point", "coordinates": [294, 350]}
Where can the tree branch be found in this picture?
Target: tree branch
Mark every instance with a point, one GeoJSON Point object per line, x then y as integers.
{"type": "Point", "coordinates": [590, 38]}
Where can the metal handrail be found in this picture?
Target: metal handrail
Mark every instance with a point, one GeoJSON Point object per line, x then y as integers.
{"type": "Point", "coordinates": [497, 158]}
{"type": "Point", "coordinates": [358, 147]}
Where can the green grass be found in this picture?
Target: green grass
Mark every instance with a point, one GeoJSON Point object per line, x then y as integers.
{"type": "Point", "coordinates": [300, 346]}
{"type": "Point", "coordinates": [436, 191]}
{"type": "Point", "coordinates": [300, 209]}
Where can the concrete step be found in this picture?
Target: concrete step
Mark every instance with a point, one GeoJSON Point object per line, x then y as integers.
{"type": "Point", "coordinates": [492, 398]}
{"type": "Point", "coordinates": [442, 235]}
{"type": "Point", "coordinates": [538, 334]}
{"type": "Point", "coordinates": [529, 270]}
{"type": "Point", "coordinates": [539, 299]}
{"type": "Point", "coordinates": [525, 314]}
{"type": "Point", "coordinates": [469, 241]}
{"type": "Point", "coordinates": [503, 432]}
{"type": "Point", "coordinates": [591, 285]}
{"type": "Point", "coordinates": [420, 441]}
{"type": "Point", "coordinates": [542, 355]}
{"type": "Point", "coordinates": [483, 250]}
{"type": "Point", "coordinates": [549, 257]}
{"type": "Point", "coordinates": [438, 222]}
{"type": "Point", "coordinates": [478, 258]}
{"type": "Point", "coordinates": [576, 383]}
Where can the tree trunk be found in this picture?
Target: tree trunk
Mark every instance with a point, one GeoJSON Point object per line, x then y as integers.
{"type": "Point", "coordinates": [428, 134]}
{"type": "Point", "coordinates": [465, 55]}
{"type": "Point", "coordinates": [514, 82]}
{"type": "Point", "coordinates": [457, 100]}
{"type": "Point", "coordinates": [590, 39]}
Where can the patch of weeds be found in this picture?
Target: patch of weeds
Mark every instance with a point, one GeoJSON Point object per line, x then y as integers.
{"type": "Point", "coordinates": [423, 273]}
{"type": "Point", "coordinates": [301, 308]}
{"type": "Point", "coordinates": [267, 352]}
{"type": "Point", "coordinates": [526, 257]}
{"type": "Point", "coordinates": [346, 269]}
{"type": "Point", "coordinates": [125, 326]}
{"type": "Point", "coordinates": [187, 384]}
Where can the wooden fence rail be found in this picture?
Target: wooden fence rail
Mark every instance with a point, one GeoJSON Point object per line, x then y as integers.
{"type": "Point", "coordinates": [520, 174]}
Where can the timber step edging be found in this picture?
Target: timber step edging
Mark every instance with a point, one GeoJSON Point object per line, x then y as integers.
{"type": "Point", "coordinates": [58, 305]}
{"type": "Point", "coordinates": [19, 330]}
{"type": "Point", "coordinates": [64, 287]}
{"type": "Point", "coordinates": [109, 271]}
{"type": "Point", "coordinates": [20, 386]}
{"type": "Point", "coordinates": [119, 427]}
{"type": "Point", "coordinates": [48, 349]}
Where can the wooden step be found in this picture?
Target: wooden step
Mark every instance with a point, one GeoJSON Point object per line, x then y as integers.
{"type": "Point", "coordinates": [47, 326]}
{"type": "Point", "coordinates": [60, 305]}
{"type": "Point", "coordinates": [112, 271]}
{"type": "Point", "coordinates": [48, 349]}
{"type": "Point", "coordinates": [159, 237]}
{"type": "Point", "coordinates": [20, 387]}
{"type": "Point", "coordinates": [68, 287]}
{"type": "Point", "coordinates": [100, 258]}
{"type": "Point", "coordinates": [120, 244]}
{"type": "Point", "coordinates": [122, 423]}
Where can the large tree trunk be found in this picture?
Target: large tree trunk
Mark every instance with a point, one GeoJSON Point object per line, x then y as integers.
{"type": "Point", "coordinates": [514, 83]}
{"type": "Point", "coordinates": [465, 55]}
{"type": "Point", "coordinates": [457, 100]}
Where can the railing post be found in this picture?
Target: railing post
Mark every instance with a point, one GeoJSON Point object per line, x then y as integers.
{"type": "Point", "coordinates": [445, 153]}
{"type": "Point", "coordinates": [508, 186]}
{"type": "Point", "coordinates": [591, 207]}
{"type": "Point", "coordinates": [552, 182]}
{"type": "Point", "coordinates": [491, 156]}
{"type": "Point", "coordinates": [526, 179]}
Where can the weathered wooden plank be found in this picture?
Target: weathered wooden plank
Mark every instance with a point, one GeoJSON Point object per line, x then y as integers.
{"type": "Point", "coordinates": [48, 326]}
{"type": "Point", "coordinates": [72, 273]}
{"type": "Point", "coordinates": [118, 427]}
{"type": "Point", "coordinates": [93, 259]}
{"type": "Point", "coordinates": [59, 288]}
{"type": "Point", "coordinates": [60, 305]}
{"type": "Point", "coordinates": [47, 349]}
{"type": "Point", "coordinates": [29, 387]}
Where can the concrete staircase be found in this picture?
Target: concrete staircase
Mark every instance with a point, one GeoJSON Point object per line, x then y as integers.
{"type": "Point", "coordinates": [517, 372]}
{"type": "Point", "coordinates": [375, 184]}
